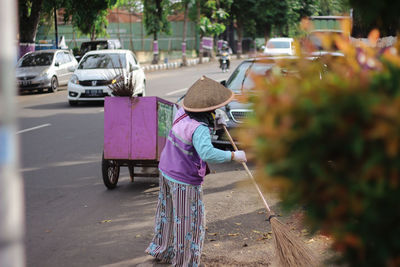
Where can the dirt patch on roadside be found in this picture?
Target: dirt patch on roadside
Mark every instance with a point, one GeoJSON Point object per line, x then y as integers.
{"type": "Point", "coordinates": [238, 233]}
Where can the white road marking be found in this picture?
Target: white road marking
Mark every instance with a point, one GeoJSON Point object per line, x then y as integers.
{"type": "Point", "coordinates": [183, 90]}
{"type": "Point", "coordinates": [177, 91]}
{"type": "Point", "coordinates": [33, 128]}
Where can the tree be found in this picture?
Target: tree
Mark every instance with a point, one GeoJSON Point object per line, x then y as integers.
{"type": "Point", "coordinates": [195, 13]}
{"type": "Point", "coordinates": [198, 15]}
{"type": "Point", "coordinates": [243, 12]}
{"type": "Point", "coordinates": [212, 21]}
{"type": "Point", "coordinates": [383, 14]}
{"type": "Point", "coordinates": [29, 15]}
{"type": "Point", "coordinates": [297, 10]}
{"type": "Point", "coordinates": [183, 7]}
{"type": "Point", "coordinates": [89, 17]}
{"type": "Point", "coordinates": [271, 14]}
{"type": "Point", "coordinates": [155, 21]}
{"type": "Point", "coordinates": [134, 6]}
{"type": "Point", "coordinates": [332, 7]}
{"type": "Point", "coordinates": [185, 20]}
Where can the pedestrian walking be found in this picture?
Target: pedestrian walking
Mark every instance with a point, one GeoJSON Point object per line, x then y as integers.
{"type": "Point", "coordinates": [179, 229]}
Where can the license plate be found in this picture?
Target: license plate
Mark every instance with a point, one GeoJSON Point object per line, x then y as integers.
{"type": "Point", "coordinates": [224, 61]}
{"type": "Point", "coordinates": [25, 83]}
{"type": "Point", "coordinates": [94, 92]}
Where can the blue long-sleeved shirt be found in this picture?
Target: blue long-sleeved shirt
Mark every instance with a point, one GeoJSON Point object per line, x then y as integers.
{"type": "Point", "coordinates": [207, 152]}
{"type": "Point", "coordinates": [202, 143]}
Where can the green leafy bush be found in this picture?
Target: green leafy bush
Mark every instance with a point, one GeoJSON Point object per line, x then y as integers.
{"type": "Point", "coordinates": [75, 50]}
{"type": "Point", "coordinates": [328, 137]}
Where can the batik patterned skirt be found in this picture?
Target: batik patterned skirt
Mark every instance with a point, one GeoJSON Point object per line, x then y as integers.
{"type": "Point", "coordinates": [179, 224]}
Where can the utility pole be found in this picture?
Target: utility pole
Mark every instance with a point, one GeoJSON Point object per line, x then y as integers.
{"type": "Point", "coordinates": [119, 38]}
{"type": "Point", "coordinates": [141, 32]}
{"type": "Point", "coordinates": [131, 10]}
{"type": "Point", "coordinates": [198, 7]}
{"type": "Point", "coordinates": [55, 26]}
{"type": "Point", "coordinates": [12, 224]}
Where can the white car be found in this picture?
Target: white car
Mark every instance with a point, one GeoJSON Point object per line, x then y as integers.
{"type": "Point", "coordinates": [98, 69]}
{"type": "Point", "coordinates": [45, 69]}
{"type": "Point", "coordinates": [279, 47]}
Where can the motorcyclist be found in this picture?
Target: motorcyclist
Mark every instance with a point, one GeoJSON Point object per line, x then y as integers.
{"type": "Point", "coordinates": [225, 48]}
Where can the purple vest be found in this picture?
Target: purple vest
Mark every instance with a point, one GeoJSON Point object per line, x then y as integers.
{"type": "Point", "coordinates": [179, 159]}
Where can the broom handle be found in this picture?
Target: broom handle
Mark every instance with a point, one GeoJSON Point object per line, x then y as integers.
{"type": "Point", "coordinates": [248, 171]}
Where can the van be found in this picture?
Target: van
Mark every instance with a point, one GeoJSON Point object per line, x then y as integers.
{"type": "Point", "coordinates": [279, 47]}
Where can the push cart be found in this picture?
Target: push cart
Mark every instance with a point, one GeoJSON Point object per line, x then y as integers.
{"type": "Point", "coordinates": [135, 132]}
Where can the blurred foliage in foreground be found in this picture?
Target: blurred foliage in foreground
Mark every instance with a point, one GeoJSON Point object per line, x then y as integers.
{"type": "Point", "coordinates": [327, 135]}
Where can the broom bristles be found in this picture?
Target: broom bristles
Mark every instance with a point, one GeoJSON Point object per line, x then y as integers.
{"type": "Point", "coordinates": [290, 249]}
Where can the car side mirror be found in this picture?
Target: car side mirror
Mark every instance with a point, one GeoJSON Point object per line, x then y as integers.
{"type": "Point", "coordinates": [223, 83]}
{"type": "Point", "coordinates": [71, 68]}
{"type": "Point", "coordinates": [133, 68]}
{"type": "Point", "coordinates": [57, 64]}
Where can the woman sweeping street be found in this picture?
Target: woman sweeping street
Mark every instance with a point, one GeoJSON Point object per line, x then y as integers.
{"type": "Point", "coordinates": [180, 217]}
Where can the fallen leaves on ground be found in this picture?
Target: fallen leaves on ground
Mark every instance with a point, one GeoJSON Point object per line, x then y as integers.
{"type": "Point", "coordinates": [235, 234]}
{"type": "Point", "coordinates": [265, 236]}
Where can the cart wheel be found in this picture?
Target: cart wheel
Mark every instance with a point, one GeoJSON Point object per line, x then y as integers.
{"type": "Point", "coordinates": [110, 170]}
{"type": "Point", "coordinates": [131, 172]}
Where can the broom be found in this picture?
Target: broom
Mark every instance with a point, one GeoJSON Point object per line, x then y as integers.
{"type": "Point", "coordinates": [291, 250]}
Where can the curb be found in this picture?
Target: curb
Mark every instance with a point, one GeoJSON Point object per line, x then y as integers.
{"type": "Point", "coordinates": [173, 65]}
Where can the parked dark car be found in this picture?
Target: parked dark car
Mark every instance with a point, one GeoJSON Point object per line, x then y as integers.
{"type": "Point", "coordinates": [235, 112]}
{"type": "Point", "coordinates": [241, 82]}
{"type": "Point", "coordinates": [97, 45]}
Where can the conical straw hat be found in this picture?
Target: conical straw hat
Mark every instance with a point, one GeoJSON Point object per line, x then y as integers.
{"type": "Point", "coordinates": [206, 95]}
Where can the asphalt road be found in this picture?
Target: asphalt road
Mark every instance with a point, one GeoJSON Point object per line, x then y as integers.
{"type": "Point", "coordinates": [71, 218]}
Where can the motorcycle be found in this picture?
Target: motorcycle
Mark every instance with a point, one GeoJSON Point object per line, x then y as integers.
{"type": "Point", "coordinates": [224, 61]}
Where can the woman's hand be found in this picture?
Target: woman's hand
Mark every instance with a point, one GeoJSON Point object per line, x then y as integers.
{"type": "Point", "coordinates": [220, 122]}
{"type": "Point", "coordinates": [239, 156]}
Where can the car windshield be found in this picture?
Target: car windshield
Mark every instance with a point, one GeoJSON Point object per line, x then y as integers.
{"type": "Point", "coordinates": [36, 59]}
{"type": "Point", "coordinates": [278, 44]}
{"type": "Point", "coordinates": [240, 78]}
{"type": "Point", "coordinates": [103, 61]}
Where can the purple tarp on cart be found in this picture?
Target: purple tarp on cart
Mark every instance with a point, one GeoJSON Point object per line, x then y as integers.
{"type": "Point", "coordinates": [135, 128]}
{"type": "Point", "coordinates": [144, 128]}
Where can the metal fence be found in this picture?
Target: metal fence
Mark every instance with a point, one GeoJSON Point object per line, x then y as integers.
{"type": "Point", "coordinates": [132, 36]}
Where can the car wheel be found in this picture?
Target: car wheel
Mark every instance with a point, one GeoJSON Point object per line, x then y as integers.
{"type": "Point", "coordinates": [54, 84]}
{"type": "Point", "coordinates": [73, 103]}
